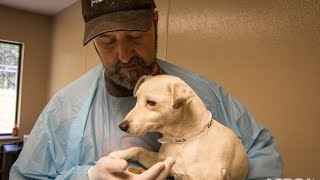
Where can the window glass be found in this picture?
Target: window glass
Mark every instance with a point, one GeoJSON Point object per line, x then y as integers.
{"type": "Point", "coordinates": [10, 60]}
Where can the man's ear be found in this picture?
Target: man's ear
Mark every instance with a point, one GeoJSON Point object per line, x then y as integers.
{"type": "Point", "coordinates": [140, 81]}
{"type": "Point", "coordinates": [181, 95]}
{"type": "Point", "coordinates": [155, 20]}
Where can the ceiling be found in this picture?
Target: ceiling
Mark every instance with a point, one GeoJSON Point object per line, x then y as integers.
{"type": "Point", "coordinates": [45, 7]}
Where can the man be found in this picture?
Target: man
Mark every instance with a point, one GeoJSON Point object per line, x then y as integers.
{"type": "Point", "coordinates": [79, 126]}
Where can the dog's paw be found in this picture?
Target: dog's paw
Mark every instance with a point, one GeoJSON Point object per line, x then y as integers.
{"type": "Point", "coordinates": [128, 154]}
{"type": "Point", "coordinates": [119, 155]}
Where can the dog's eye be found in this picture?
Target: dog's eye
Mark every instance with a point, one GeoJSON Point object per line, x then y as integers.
{"type": "Point", "coordinates": [151, 103]}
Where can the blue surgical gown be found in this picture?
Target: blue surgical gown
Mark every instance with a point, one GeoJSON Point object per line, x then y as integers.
{"type": "Point", "coordinates": [80, 125]}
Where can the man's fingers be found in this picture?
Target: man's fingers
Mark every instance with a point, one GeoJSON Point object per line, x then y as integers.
{"type": "Point", "coordinates": [114, 165]}
{"type": "Point", "coordinates": [169, 162]}
{"type": "Point", "coordinates": [160, 170]}
{"type": "Point", "coordinates": [153, 172]}
{"type": "Point", "coordinates": [118, 169]}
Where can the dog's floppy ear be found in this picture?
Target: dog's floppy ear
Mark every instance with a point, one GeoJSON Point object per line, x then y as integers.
{"type": "Point", "coordinates": [140, 81]}
{"type": "Point", "coordinates": [181, 95]}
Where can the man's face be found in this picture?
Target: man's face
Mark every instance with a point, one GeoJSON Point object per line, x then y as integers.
{"type": "Point", "coordinates": [127, 55]}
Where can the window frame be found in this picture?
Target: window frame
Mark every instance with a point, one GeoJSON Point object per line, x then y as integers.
{"type": "Point", "coordinates": [17, 103]}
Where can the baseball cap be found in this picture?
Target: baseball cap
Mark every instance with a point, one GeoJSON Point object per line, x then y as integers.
{"type": "Point", "coordinates": [101, 16]}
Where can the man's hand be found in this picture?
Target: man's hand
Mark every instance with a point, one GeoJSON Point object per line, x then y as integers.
{"type": "Point", "coordinates": [108, 168]}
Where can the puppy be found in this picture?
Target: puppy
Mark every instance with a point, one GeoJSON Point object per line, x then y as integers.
{"type": "Point", "coordinates": [202, 147]}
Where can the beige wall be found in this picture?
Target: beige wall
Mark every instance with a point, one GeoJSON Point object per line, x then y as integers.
{"type": "Point", "coordinates": [69, 57]}
{"type": "Point", "coordinates": [35, 32]}
{"type": "Point", "coordinates": [266, 53]}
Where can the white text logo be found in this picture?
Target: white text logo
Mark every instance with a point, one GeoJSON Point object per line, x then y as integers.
{"type": "Point", "coordinates": [291, 179]}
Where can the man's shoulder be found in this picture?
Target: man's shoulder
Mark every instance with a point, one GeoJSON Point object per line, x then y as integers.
{"type": "Point", "coordinates": [70, 100]}
{"type": "Point", "coordinates": [192, 78]}
{"type": "Point", "coordinates": [83, 85]}
{"type": "Point", "coordinates": [208, 90]}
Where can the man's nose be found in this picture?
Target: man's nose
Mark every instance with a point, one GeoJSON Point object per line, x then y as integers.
{"type": "Point", "coordinates": [125, 51]}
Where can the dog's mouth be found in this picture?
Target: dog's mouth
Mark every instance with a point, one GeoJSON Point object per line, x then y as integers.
{"type": "Point", "coordinates": [126, 127]}
{"type": "Point", "coordinates": [135, 129]}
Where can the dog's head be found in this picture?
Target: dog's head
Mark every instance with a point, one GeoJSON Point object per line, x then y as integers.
{"type": "Point", "coordinates": [160, 100]}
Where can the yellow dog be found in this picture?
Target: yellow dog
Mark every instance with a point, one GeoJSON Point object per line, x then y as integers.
{"type": "Point", "coordinates": [202, 147]}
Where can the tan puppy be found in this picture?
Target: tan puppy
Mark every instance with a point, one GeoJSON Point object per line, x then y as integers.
{"type": "Point", "coordinates": [202, 147]}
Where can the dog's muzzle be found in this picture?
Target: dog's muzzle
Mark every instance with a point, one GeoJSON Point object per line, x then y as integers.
{"type": "Point", "coordinates": [124, 126]}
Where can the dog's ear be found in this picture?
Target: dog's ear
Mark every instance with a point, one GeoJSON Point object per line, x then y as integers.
{"type": "Point", "coordinates": [140, 81]}
{"type": "Point", "coordinates": [181, 95]}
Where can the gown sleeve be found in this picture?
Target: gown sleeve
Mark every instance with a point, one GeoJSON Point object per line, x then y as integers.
{"type": "Point", "coordinates": [45, 155]}
{"type": "Point", "coordinates": [264, 156]}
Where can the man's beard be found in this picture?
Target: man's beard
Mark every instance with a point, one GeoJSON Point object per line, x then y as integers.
{"type": "Point", "coordinates": [132, 78]}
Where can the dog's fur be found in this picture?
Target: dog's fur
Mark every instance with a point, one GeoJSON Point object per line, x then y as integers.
{"type": "Point", "coordinates": [202, 147]}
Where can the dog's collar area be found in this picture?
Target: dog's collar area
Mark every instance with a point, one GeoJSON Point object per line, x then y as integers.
{"type": "Point", "coordinates": [183, 140]}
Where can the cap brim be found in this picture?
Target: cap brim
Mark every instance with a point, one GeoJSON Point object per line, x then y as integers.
{"type": "Point", "coordinates": [133, 20]}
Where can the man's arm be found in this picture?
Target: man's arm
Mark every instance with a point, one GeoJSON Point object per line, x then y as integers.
{"type": "Point", "coordinates": [53, 148]}
{"type": "Point", "coordinates": [44, 154]}
{"type": "Point", "coordinates": [263, 151]}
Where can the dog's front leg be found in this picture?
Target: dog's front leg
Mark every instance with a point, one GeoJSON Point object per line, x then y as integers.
{"type": "Point", "coordinates": [139, 154]}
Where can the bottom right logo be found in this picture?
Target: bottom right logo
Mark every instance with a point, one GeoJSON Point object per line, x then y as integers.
{"type": "Point", "coordinates": [291, 179]}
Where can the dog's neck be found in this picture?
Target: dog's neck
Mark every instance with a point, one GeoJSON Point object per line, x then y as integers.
{"type": "Point", "coordinates": [195, 121]}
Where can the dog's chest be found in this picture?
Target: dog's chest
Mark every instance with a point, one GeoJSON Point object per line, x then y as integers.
{"type": "Point", "coordinates": [186, 155]}
{"type": "Point", "coordinates": [195, 159]}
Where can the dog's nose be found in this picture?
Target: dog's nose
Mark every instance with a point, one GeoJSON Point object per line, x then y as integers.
{"type": "Point", "coordinates": [124, 126]}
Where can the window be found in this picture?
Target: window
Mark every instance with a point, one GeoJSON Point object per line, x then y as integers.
{"type": "Point", "coordinates": [10, 60]}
